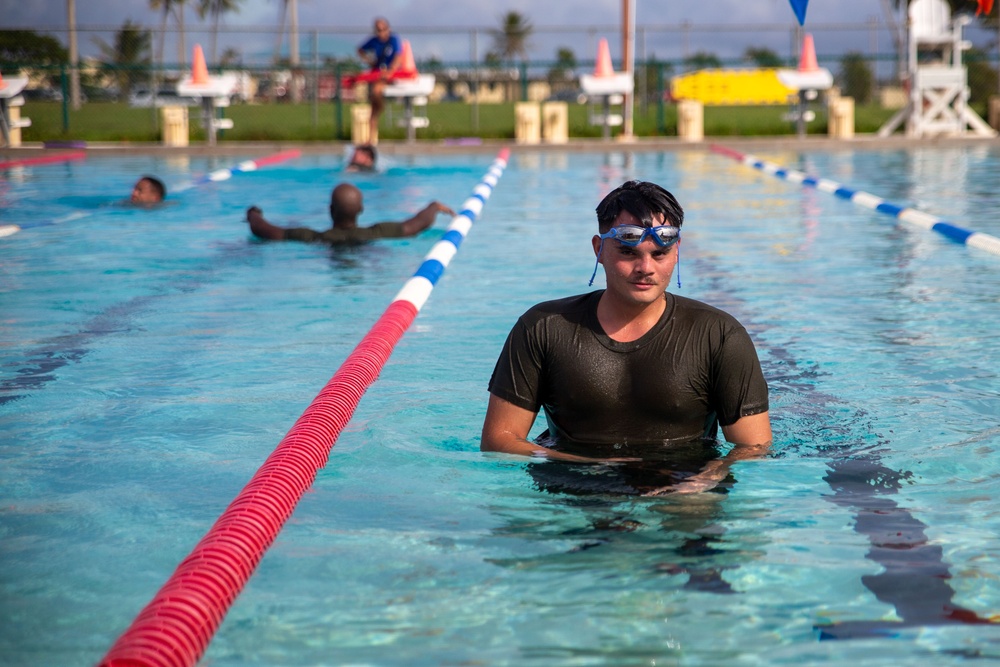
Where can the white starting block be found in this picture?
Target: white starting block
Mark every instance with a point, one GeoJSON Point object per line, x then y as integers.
{"type": "Point", "coordinates": [607, 90]}
{"type": "Point", "coordinates": [213, 91]}
{"type": "Point", "coordinates": [213, 95]}
{"type": "Point", "coordinates": [413, 92]}
{"type": "Point", "coordinates": [10, 120]}
{"type": "Point", "coordinates": [808, 80]}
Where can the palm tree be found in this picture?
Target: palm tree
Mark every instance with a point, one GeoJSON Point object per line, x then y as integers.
{"type": "Point", "coordinates": [290, 9]}
{"type": "Point", "coordinates": [511, 39]}
{"type": "Point", "coordinates": [74, 55]}
{"type": "Point", "coordinates": [168, 7]}
{"type": "Point", "coordinates": [128, 56]}
{"type": "Point", "coordinates": [231, 57]}
{"type": "Point", "coordinates": [216, 8]}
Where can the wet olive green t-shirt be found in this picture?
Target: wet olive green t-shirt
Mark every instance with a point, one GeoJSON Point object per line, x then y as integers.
{"type": "Point", "coordinates": [334, 236]}
{"type": "Point", "coordinates": [696, 368]}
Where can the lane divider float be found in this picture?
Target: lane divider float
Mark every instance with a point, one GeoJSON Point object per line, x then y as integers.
{"type": "Point", "coordinates": [217, 175]}
{"type": "Point", "coordinates": [44, 159]}
{"type": "Point", "coordinates": [174, 629]}
{"type": "Point", "coordinates": [241, 168]}
{"type": "Point", "coordinates": [990, 244]}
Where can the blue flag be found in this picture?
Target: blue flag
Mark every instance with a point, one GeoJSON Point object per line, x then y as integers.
{"type": "Point", "coordinates": [799, 7]}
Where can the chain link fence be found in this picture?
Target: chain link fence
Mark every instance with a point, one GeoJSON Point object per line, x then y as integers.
{"type": "Point", "coordinates": [288, 84]}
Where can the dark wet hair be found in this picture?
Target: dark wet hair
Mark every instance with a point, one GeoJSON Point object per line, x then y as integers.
{"type": "Point", "coordinates": [368, 150]}
{"type": "Point", "coordinates": [157, 184]}
{"type": "Point", "coordinates": [642, 199]}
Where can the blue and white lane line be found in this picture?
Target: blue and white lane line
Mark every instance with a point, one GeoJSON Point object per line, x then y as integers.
{"type": "Point", "coordinates": [417, 289]}
{"type": "Point", "coordinates": [241, 168]}
{"type": "Point", "coordinates": [990, 244]}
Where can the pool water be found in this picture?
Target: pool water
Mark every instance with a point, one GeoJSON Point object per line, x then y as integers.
{"type": "Point", "coordinates": [152, 359]}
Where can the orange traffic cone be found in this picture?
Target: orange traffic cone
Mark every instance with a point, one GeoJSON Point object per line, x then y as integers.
{"type": "Point", "coordinates": [807, 59]}
{"type": "Point", "coordinates": [406, 64]}
{"type": "Point", "coordinates": [199, 72]}
{"type": "Point", "coordinates": [603, 66]}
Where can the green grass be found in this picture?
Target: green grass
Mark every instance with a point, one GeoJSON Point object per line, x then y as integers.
{"type": "Point", "coordinates": [117, 122]}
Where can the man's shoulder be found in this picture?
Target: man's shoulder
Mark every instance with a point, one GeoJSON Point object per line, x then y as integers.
{"type": "Point", "coordinates": [695, 310]}
{"type": "Point", "coordinates": [580, 303]}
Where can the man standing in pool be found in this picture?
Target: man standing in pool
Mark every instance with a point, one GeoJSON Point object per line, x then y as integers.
{"type": "Point", "coordinates": [346, 204]}
{"type": "Point", "coordinates": [632, 375]}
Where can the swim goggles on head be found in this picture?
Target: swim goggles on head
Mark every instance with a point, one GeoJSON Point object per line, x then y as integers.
{"type": "Point", "coordinates": [632, 235]}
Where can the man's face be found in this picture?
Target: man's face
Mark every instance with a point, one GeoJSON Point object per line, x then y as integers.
{"type": "Point", "coordinates": [362, 159]}
{"type": "Point", "coordinates": [144, 193]}
{"type": "Point", "coordinates": [636, 275]}
{"type": "Point", "coordinates": [381, 29]}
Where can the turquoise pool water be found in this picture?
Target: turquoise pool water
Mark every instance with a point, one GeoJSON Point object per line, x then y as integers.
{"type": "Point", "coordinates": [151, 360]}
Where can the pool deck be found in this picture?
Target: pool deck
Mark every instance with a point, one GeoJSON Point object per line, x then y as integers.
{"type": "Point", "coordinates": [490, 146]}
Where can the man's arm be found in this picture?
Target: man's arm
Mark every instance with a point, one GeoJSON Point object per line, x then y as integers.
{"type": "Point", "coordinates": [506, 428]}
{"type": "Point", "coordinates": [261, 227]}
{"type": "Point", "coordinates": [425, 219]}
{"type": "Point", "coordinates": [397, 59]}
{"type": "Point", "coordinates": [365, 53]}
{"type": "Point", "coordinates": [751, 438]}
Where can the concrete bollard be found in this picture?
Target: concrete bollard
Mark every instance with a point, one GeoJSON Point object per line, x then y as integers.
{"type": "Point", "coordinates": [14, 130]}
{"type": "Point", "coordinates": [690, 120]}
{"type": "Point", "coordinates": [555, 122]}
{"type": "Point", "coordinates": [840, 122]}
{"type": "Point", "coordinates": [360, 129]}
{"type": "Point", "coordinates": [175, 126]}
{"type": "Point", "coordinates": [527, 123]}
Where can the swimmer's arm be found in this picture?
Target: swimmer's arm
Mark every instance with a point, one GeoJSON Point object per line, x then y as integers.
{"type": "Point", "coordinates": [261, 227]}
{"type": "Point", "coordinates": [506, 428]}
{"type": "Point", "coordinates": [424, 219]}
{"type": "Point", "coordinates": [367, 57]}
{"type": "Point", "coordinates": [751, 438]}
{"type": "Point", "coordinates": [394, 64]}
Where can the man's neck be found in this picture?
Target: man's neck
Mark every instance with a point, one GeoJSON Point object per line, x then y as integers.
{"type": "Point", "coordinates": [626, 322]}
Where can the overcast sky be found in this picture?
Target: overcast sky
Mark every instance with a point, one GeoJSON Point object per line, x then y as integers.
{"type": "Point", "coordinates": [453, 31]}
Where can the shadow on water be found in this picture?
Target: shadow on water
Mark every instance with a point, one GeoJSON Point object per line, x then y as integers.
{"type": "Point", "coordinates": [915, 575]}
{"type": "Point", "coordinates": [40, 364]}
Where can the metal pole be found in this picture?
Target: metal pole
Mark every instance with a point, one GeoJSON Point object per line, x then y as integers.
{"type": "Point", "coordinates": [74, 55]}
{"type": "Point", "coordinates": [315, 80]}
{"type": "Point", "coordinates": [293, 48]}
{"type": "Point", "coordinates": [338, 102]}
{"type": "Point", "coordinates": [628, 27]}
{"type": "Point", "coordinates": [474, 52]}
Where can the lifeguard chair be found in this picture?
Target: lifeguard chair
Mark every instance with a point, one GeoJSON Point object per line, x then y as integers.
{"type": "Point", "coordinates": [938, 82]}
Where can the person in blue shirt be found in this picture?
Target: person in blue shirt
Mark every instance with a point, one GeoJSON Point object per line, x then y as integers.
{"type": "Point", "coordinates": [381, 51]}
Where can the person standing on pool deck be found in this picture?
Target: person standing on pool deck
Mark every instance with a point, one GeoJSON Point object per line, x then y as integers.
{"type": "Point", "coordinates": [346, 204]}
{"type": "Point", "coordinates": [381, 51]}
{"type": "Point", "coordinates": [631, 371]}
